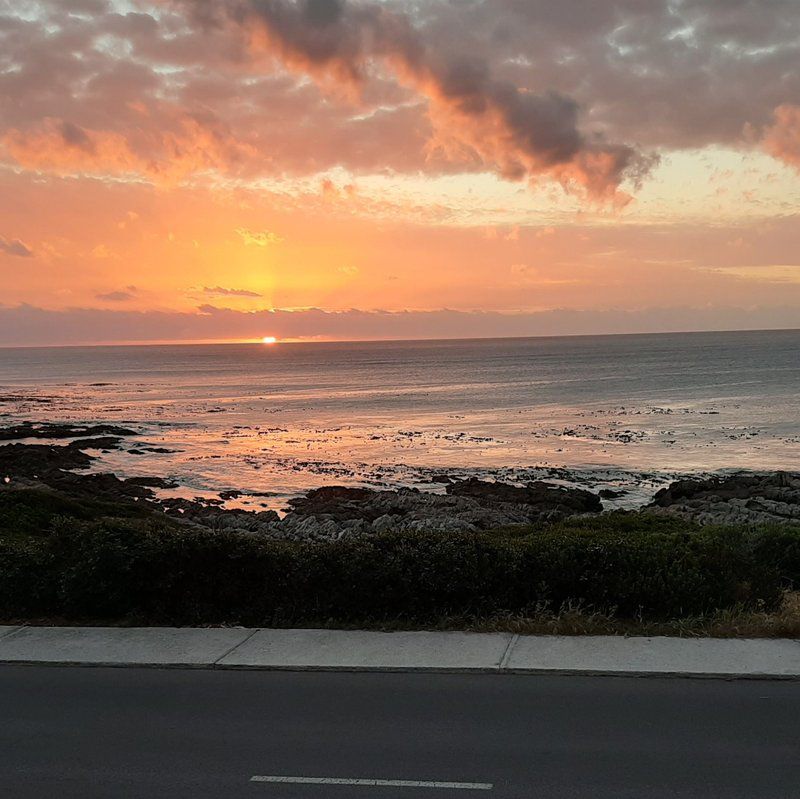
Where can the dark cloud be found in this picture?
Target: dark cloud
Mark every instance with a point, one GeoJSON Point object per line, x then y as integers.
{"type": "Point", "coordinates": [666, 73]}
{"type": "Point", "coordinates": [15, 247]}
{"type": "Point", "coordinates": [323, 12]}
{"type": "Point", "coordinates": [118, 296]}
{"type": "Point", "coordinates": [75, 136]}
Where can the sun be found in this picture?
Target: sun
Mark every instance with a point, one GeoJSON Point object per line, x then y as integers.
{"type": "Point", "coordinates": [269, 340]}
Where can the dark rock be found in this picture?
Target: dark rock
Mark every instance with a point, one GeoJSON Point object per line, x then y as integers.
{"type": "Point", "coordinates": [742, 498]}
{"type": "Point", "coordinates": [610, 493]}
{"type": "Point", "coordinates": [105, 486]}
{"type": "Point", "coordinates": [34, 460]}
{"type": "Point", "coordinates": [103, 442]}
{"type": "Point", "coordinates": [151, 482]}
{"type": "Point", "coordinates": [340, 503]}
{"type": "Point", "coordinates": [543, 495]}
{"type": "Point", "coordinates": [15, 398]}
{"type": "Point", "coordinates": [57, 430]}
{"type": "Point", "coordinates": [334, 512]}
{"type": "Point", "coordinates": [154, 450]}
{"type": "Point", "coordinates": [208, 513]}
{"type": "Point", "coordinates": [54, 466]}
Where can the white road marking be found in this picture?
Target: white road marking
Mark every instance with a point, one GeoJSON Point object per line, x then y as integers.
{"type": "Point", "coordinates": [467, 786]}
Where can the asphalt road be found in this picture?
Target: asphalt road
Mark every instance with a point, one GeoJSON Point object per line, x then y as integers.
{"type": "Point", "coordinates": [145, 733]}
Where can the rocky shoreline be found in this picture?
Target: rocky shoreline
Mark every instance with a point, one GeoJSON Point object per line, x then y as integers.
{"type": "Point", "coordinates": [337, 512]}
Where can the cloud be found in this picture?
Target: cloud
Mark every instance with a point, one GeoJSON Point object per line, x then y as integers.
{"type": "Point", "coordinates": [258, 238]}
{"type": "Point", "coordinates": [782, 138]}
{"type": "Point", "coordinates": [331, 191]}
{"type": "Point", "coordinates": [220, 291]}
{"type": "Point", "coordinates": [29, 325]}
{"type": "Point", "coordinates": [102, 251]}
{"type": "Point", "coordinates": [118, 296]}
{"type": "Point", "coordinates": [185, 145]}
{"type": "Point", "coordinates": [15, 247]}
{"type": "Point", "coordinates": [476, 115]}
{"type": "Point", "coordinates": [572, 91]}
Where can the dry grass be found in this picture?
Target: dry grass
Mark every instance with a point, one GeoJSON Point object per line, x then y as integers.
{"type": "Point", "coordinates": [732, 623]}
{"type": "Point", "coordinates": [575, 620]}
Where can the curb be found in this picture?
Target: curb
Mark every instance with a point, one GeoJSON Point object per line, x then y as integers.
{"type": "Point", "coordinates": [241, 649]}
{"type": "Point", "coordinates": [533, 672]}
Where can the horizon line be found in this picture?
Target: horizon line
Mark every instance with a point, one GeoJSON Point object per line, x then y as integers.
{"type": "Point", "coordinates": [318, 340]}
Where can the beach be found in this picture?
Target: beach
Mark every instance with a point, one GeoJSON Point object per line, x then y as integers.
{"type": "Point", "coordinates": [262, 424]}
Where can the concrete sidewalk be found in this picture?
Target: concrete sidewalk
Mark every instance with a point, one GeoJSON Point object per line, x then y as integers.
{"type": "Point", "coordinates": [401, 651]}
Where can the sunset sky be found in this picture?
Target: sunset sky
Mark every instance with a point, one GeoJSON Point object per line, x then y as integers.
{"type": "Point", "coordinates": [231, 169]}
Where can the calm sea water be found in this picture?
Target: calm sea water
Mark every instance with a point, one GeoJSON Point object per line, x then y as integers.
{"type": "Point", "coordinates": [272, 421]}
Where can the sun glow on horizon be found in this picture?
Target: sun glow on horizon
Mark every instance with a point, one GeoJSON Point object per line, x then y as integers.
{"type": "Point", "coordinates": [269, 340]}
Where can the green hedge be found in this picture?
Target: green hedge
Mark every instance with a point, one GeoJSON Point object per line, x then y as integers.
{"type": "Point", "coordinates": [780, 545]}
{"type": "Point", "coordinates": [153, 572]}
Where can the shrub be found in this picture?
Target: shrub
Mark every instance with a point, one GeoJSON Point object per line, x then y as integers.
{"type": "Point", "coordinates": [156, 572]}
{"type": "Point", "coordinates": [30, 511]}
{"type": "Point", "coordinates": [780, 544]}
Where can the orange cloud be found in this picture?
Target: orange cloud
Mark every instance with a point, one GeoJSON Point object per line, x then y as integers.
{"type": "Point", "coordinates": [64, 147]}
{"type": "Point", "coordinates": [165, 156]}
{"type": "Point", "coordinates": [221, 291]}
{"type": "Point", "coordinates": [782, 138]}
{"type": "Point", "coordinates": [259, 238]}
{"type": "Point", "coordinates": [477, 117]}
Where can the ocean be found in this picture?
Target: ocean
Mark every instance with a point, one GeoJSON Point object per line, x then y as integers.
{"type": "Point", "coordinates": [271, 421]}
